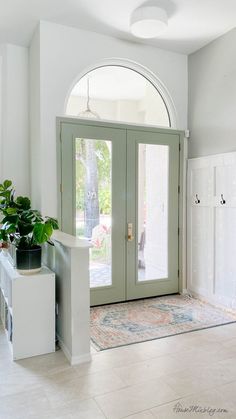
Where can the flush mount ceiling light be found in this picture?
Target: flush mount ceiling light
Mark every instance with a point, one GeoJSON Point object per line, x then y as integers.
{"type": "Point", "coordinates": [148, 22]}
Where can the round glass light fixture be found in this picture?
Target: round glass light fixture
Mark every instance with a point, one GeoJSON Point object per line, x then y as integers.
{"type": "Point", "coordinates": [148, 22]}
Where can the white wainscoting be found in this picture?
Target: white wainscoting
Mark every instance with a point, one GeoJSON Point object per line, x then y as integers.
{"type": "Point", "coordinates": [211, 228]}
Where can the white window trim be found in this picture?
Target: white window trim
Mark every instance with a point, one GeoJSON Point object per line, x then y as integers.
{"type": "Point", "coordinates": [143, 71]}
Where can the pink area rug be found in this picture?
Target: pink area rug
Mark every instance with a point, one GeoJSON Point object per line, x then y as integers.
{"type": "Point", "coordinates": [153, 318]}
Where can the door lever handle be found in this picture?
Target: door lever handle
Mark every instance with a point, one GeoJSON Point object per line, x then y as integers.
{"type": "Point", "coordinates": [130, 236]}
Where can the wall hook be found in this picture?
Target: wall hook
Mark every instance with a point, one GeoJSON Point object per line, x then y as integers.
{"type": "Point", "coordinates": [222, 201]}
{"type": "Point", "coordinates": [197, 200]}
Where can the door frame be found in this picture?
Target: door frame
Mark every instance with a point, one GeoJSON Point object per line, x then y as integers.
{"type": "Point", "coordinates": [182, 176]}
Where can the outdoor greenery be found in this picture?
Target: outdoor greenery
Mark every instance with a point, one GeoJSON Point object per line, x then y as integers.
{"type": "Point", "coordinates": [103, 161]}
{"type": "Point", "coordinates": [21, 225]}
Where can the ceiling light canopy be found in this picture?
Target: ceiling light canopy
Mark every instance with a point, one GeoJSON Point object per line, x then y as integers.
{"type": "Point", "coordinates": [148, 22]}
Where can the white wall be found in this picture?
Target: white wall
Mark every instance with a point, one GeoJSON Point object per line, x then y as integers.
{"type": "Point", "coordinates": [1, 97]}
{"type": "Point", "coordinates": [14, 117]}
{"type": "Point", "coordinates": [65, 53]}
{"type": "Point", "coordinates": [35, 118]}
{"type": "Point", "coordinates": [212, 97]}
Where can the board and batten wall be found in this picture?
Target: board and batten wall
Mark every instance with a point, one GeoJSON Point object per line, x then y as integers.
{"type": "Point", "coordinates": [212, 97]}
{"type": "Point", "coordinates": [212, 124]}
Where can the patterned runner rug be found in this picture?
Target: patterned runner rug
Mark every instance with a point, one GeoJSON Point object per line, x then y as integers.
{"type": "Point", "coordinates": [153, 318]}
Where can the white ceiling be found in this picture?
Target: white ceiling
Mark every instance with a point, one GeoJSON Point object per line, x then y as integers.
{"type": "Point", "coordinates": [192, 23]}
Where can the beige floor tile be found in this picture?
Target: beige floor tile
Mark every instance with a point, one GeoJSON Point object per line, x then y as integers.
{"type": "Point", "coordinates": [165, 346]}
{"type": "Point", "coordinates": [142, 415]}
{"type": "Point", "coordinates": [15, 383]}
{"type": "Point", "coordinates": [229, 366]}
{"type": "Point", "coordinates": [187, 385]}
{"type": "Point", "coordinates": [24, 404]}
{"type": "Point", "coordinates": [64, 387]}
{"type": "Point", "coordinates": [87, 409]}
{"type": "Point", "coordinates": [148, 370]}
{"type": "Point", "coordinates": [202, 405]}
{"type": "Point", "coordinates": [201, 355]}
{"type": "Point", "coordinates": [218, 373]}
{"type": "Point", "coordinates": [230, 343]}
{"type": "Point", "coordinates": [201, 377]}
{"type": "Point", "coordinates": [105, 360]}
{"type": "Point", "coordinates": [227, 392]}
{"type": "Point", "coordinates": [222, 332]}
{"type": "Point", "coordinates": [134, 399]}
{"type": "Point", "coordinates": [45, 364]}
{"type": "Point", "coordinates": [100, 383]}
{"type": "Point", "coordinates": [198, 367]}
{"type": "Point", "coordinates": [97, 364]}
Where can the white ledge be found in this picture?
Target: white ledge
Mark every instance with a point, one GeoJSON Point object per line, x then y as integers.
{"type": "Point", "coordinates": [70, 241]}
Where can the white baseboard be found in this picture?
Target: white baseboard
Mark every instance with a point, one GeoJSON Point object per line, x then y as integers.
{"type": "Point", "coordinates": [73, 360]}
{"type": "Point", "coordinates": [80, 359]}
{"type": "Point", "coordinates": [185, 292]}
{"type": "Point", "coordinates": [225, 303]}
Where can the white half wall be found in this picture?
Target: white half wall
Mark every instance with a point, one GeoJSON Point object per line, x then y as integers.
{"type": "Point", "coordinates": [14, 117]}
{"type": "Point", "coordinates": [212, 97]}
{"type": "Point", "coordinates": [65, 53]}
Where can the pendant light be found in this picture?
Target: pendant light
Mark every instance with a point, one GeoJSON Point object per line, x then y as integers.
{"type": "Point", "coordinates": [88, 113]}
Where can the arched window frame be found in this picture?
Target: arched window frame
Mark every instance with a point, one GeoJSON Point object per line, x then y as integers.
{"type": "Point", "coordinates": [143, 71]}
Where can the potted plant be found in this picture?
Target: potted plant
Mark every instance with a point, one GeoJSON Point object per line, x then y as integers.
{"type": "Point", "coordinates": [23, 227]}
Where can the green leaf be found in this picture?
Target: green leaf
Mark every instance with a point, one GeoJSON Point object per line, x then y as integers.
{"type": "Point", "coordinates": [10, 211]}
{"type": "Point", "coordinates": [8, 228]}
{"type": "Point", "coordinates": [48, 229]}
{"type": "Point", "coordinates": [25, 228]}
{"type": "Point", "coordinates": [53, 222]}
{"type": "Point", "coordinates": [6, 194]}
{"type": "Point", "coordinates": [23, 202]}
{"type": "Point", "coordinates": [7, 183]}
{"type": "Point", "coordinates": [42, 232]}
{"type": "Point", "coordinates": [3, 236]}
{"type": "Point", "coordinates": [13, 219]}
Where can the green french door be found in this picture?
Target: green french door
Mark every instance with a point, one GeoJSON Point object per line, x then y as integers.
{"type": "Point", "coordinates": [152, 213]}
{"type": "Point", "coordinates": [119, 190]}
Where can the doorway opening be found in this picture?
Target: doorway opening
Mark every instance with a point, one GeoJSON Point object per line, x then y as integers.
{"type": "Point", "coordinates": [135, 235]}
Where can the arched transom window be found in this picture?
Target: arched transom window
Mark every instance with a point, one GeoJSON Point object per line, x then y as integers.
{"type": "Point", "coordinates": [118, 93]}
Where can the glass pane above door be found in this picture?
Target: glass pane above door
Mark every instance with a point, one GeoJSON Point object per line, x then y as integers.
{"type": "Point", "coordinates": [153, 192]}
{"type": "Point", "coordinates": [94, 205]}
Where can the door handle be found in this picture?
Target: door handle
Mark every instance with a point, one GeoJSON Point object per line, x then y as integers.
{"type": "Point", "coordinates": [130, 236]}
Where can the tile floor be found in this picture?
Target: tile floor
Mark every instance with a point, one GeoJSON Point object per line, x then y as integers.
{"type": "Point", "coordinates": [162, 379]}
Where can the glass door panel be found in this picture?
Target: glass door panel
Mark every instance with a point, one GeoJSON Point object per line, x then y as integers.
{"type": "Point", "coordinates": [94, 205]}
{"type": "Point", "coordinates": [153, 185]}
{"type": "Point", "coordinates": [93, 202]}
{"type": "Point", "coordinates": [152, 211]}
